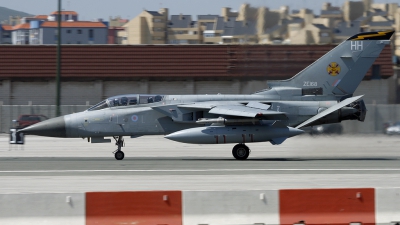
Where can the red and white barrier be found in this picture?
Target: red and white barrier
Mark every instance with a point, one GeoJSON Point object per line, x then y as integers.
{"type": "Point", "coordinates": [340, 206]}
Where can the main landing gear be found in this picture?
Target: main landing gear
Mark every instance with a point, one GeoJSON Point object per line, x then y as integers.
{"type": "Point", "coordinates": [241, 152]}
{"type": "Point", "coordinates": [119, 141]}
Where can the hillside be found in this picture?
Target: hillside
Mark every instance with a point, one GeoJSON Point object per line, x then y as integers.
{"type": "Point", "coordinates": [5, 13]}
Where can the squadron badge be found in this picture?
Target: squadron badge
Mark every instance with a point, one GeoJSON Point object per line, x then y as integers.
{"type": "Point", "coordinates": [333, 69]}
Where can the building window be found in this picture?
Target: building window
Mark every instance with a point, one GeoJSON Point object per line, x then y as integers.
{"type": "Point", "coordinates": [79, 31]}
{"type": "Point", "coordinates": [91, 34]}
{"type": "Point", "coordinates": [157, 20]}
{"type": "Point", "coordinates": [6, 35]}
{"type": "Point", "coordinates": [324, 34]}
{"type": "Point", "coordinates": [78, 42]}
{"type": "Point", "coordinates": [68, 31]}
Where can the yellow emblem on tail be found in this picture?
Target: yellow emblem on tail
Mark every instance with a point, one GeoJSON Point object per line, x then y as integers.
{"type": "Point", "coordinates": [333, 69]}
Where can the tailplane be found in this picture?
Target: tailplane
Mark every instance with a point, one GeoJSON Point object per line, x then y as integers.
{"type": "Point", "coordinates": [340, 71]}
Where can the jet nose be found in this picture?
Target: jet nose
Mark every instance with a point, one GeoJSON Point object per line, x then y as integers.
{"type": "Point", "coordinates": [54, 127]}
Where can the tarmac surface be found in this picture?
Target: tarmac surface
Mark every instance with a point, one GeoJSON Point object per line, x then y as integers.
{"type": "Point", "coordinates": [154, 163]}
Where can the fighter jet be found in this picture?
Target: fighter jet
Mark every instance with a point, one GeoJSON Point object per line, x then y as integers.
{"type": "Point", "coordinates": [321, 93]}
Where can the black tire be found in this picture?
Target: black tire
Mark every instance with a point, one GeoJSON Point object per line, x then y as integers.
{"type": "Point", "coordinates": [241, 152]}
{"type": "Point", "coordinates": [119, 155]}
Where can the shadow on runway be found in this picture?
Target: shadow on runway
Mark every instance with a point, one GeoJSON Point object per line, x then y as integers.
{"type": "Point", "coordinates": [108, 159]}
{"type": "Point", "coordinates": [323, 159]}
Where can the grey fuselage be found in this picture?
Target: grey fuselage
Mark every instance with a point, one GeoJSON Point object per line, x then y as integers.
{"type": "Point", "coordinates": [166, 116]}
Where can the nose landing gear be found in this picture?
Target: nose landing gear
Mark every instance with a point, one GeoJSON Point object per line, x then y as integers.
{"type": "Point", "coordinates": [119, 141]}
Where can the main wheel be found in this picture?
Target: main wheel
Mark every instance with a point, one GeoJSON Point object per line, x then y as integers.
{"type": "Point", "coordinates": [241, 152]}
{"type": "Point", "coordinates": [119, 155]}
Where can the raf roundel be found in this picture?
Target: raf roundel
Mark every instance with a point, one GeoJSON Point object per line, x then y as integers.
{"type": "Point", "coordinates": [333, 69]}
{"type": "Point", "coordinates": [134, 118]}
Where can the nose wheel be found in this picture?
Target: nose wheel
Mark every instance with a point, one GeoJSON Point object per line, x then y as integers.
{"type": "Point", "coordinates": [241, 152]}
{"type": "Point", "coordinates": [119, 141]}
{"type": "Point", "coordinates": [119, 155]}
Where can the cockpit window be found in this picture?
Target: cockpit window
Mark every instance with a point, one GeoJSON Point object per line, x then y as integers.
{"type": "Point", "coordinates": [122, 101]}
{"type": "Point", "coordinates": [127, 100]}
{"type": "Point", "coordinates": [145, 99]}
{"type": "Point", "coordinates": [100, 105]}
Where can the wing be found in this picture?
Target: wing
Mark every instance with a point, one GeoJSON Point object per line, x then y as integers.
{"type": "Point", "coordinates": [249, 110]}
{"type": "Point", "coordinates": [245, 111]}
{"type": "Point", "coordinates": [329, 110]}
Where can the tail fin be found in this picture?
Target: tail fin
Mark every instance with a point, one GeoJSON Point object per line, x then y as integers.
{"type": "Point", "coordinates": [340, 71]}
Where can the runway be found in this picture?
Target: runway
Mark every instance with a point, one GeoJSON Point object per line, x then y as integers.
{"type": "Point", "coordinates": [154, 163]}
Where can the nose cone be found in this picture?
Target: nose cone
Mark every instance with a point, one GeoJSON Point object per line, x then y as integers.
{"type": "Point", "coordinates": [51, 128]}
{"type": "Point", "coordinates": [180, 136]}
{"type": "Point", "coordinates": [294, 131]}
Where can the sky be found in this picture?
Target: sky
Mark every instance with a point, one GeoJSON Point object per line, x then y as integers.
{"type": "Point", "coordinates": [128, 9]}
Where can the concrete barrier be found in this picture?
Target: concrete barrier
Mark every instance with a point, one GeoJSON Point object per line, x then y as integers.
{"type": "Point", "coordinates": [387, 201]}
{"type": "Point", "coordinates": [347, 206]}
{"type": "Point", "coordinates": [43, 209]}
{"type": "Point", "coordinates": [230, 207]}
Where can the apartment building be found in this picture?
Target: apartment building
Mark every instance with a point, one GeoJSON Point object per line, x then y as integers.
{"type": "Point", "coordinates": [397, 35]}
{"type": "Point", "coordinates": [117, 21]}
{"type": "Point", "coordinates": [183, 30]}
{"type": "Point", "coordinates": [65, 16]}
{"type": "Point", "coordinates": [149, 27]}
{"type": "Point", "coordinates": [20, 34]}
{"type": "Point", "coordinates": [240, 32]}
{"type": "Point", "coordinates": [13, 20]}
{"type": "Point", "coordinates": [5, 34]}
{"type": "Point", "coordinates": [74, 32]}
{"type": "Point", "coordinates": [212, 27]}
{"type": "Point", "coordinates": [42, 29]}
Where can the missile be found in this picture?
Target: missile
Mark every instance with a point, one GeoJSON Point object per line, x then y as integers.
{"type": "Point", "coordinates": [221, 120]}
{"type": "Point", "coordinates": [275, 133]}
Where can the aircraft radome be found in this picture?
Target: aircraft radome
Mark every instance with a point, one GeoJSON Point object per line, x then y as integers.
{"type": "Point", "coordinates": [321, 93]}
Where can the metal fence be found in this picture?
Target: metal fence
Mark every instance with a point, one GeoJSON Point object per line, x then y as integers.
{"type": "Point", "coordinates": [377, 116]}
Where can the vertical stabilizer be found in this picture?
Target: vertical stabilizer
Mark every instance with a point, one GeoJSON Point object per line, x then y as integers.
{"type": "Point", "coordinates": [340, 71]}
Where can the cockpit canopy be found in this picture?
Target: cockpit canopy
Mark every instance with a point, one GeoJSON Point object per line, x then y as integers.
{"type": "Point", "coordinates": [126, 100]}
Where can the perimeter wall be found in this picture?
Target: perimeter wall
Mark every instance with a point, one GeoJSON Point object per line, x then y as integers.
{"type": "Point", "coordinates": [91, 73]}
